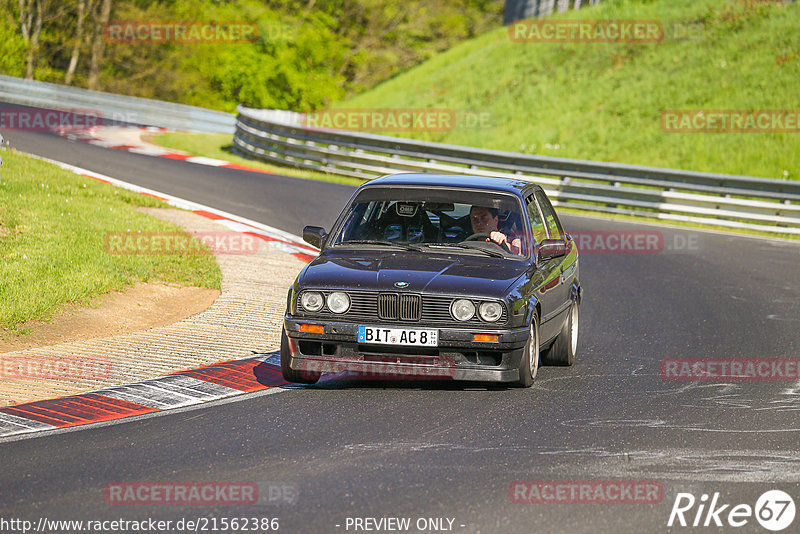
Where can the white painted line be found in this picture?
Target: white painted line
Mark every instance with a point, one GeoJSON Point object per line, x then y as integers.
{"type": "Point", "coordinates": [13, 430]}
{"type": "Point", "coordinates": [286, 247]}
{"type": "Point", "coordinates": [89, 136]}
{"type": "Point", "coordinates": [181, 203]}
{"type": "Point", "coordinates": [19, 424]}
{"type": "Point", "coordinates": [149, 151]}
{"type": "Point", "coordinates": [102, 143]}
{"type": "Point", "coordinates": [202, 160]}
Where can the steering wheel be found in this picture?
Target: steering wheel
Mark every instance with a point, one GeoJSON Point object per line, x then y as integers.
{"type": "Point", "coordinates": [479, 237]}
{"type": "Point", "coordinates": [485, 235]}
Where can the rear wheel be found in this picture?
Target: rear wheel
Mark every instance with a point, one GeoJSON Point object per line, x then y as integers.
{"type": "Point", "coordinates": [289, 374]}
{"type": "Point", "coordinates": [529, 363]}
{"type": "Point", "coordinates": [562, 352]}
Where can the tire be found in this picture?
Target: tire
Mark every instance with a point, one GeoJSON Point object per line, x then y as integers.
{"type": "Point", "coordinates": [292, 375]}
{"type": "Point", "coordinates": [529, 363]}
{"type": "Point", "coordinates": [562, 352]}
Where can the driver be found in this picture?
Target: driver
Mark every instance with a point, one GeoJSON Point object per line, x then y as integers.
{"type": "Point", "coordinates": [484, 221]}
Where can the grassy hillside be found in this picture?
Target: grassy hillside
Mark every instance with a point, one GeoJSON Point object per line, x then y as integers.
{"type": "Point", "coordinates": [303, 55]}
{"type": "Point", "coordinates": [52, 229]}
{"type": "Point", "coordinates": [604, 101]}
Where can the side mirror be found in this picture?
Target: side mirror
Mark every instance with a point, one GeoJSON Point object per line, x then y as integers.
{"type": "Point", "coordinates": [314, 236]}
{"type": "Point", "coordinates": [552, 248]}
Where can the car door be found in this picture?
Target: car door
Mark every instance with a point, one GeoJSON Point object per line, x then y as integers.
{"type": "Point", "coordinates": [547, 275]}
{"type": "Point", "coordinates": [564, 267]}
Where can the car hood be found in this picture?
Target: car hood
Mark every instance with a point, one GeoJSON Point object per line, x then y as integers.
{"type": "Point", "coordinates": [423, 272]}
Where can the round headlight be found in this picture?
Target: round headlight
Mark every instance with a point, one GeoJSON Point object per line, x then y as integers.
{"type": "Point", "coordinates": [338, 302]}
{"type": "Point", "coordinates": [490, 311]}
{"type": "Point", "coordinates": [311, 301]}
{"type": "Point", "coordinates": [462, 309]}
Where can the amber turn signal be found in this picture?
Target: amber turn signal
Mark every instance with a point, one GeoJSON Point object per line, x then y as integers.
{"type": "Point", "coordinates": [486, 338]}
{"type": "Point", "coordinates": [312, 328]}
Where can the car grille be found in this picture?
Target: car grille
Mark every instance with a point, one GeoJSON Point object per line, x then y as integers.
{"type": "Point", "coordinates": [393, 307]}
{"type": "Point", "coordinates": [388, 307]}
{"type": "Point", "coordinates": [402, 307]}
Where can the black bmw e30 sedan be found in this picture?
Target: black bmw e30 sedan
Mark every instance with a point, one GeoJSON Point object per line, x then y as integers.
{"type": "Point", "coordinates": [436, 276]}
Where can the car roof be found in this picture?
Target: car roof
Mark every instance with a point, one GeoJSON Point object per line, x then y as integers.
{"type": "Point", "coordinates": [510, 185]}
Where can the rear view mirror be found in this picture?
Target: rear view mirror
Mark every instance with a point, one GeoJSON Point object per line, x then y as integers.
{"type": "Point", "coordinates": [552, 248]}
{"type": "Point", "coordinates": [439, 206]}
{"type": "Point", "coordinates": [314, 236]}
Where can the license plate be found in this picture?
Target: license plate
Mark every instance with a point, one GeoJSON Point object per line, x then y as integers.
{"type": "Point", "coordinates": [398, 336]}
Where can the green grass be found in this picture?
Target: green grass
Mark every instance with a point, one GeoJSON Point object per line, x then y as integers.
{"type": "Point", "coordinates": [604, 101]}
{"type": "Point", "coordinates": [52, 228]}
{"type": "Point", "coordinates": [220, 146]}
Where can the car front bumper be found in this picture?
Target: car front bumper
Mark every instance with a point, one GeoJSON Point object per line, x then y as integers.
{"type": "Point", "coordinates": [456, 357]}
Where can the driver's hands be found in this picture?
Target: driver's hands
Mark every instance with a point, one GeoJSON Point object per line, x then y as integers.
{"type": "Point", "coordinates": [499, 238]}
{"type": "Point", "coordinates": [514, 246]}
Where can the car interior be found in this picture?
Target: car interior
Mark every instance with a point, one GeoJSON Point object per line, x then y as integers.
{"type": "Point", "coordinates": [420, 222]}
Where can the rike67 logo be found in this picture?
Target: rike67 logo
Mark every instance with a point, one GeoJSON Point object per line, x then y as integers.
{"type": "Point", "coordinates": [774, 510]}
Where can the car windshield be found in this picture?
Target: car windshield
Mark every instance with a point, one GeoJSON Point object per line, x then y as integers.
{"type": "Point", "coordinates": [431, 219]}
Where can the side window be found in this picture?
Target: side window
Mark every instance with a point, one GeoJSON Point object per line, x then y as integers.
{"type": "Point", "coordinates": [537, 226]}
{"type": "Point", "coordinates": [550, 218]}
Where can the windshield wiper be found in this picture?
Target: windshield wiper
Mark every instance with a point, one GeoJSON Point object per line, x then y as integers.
{"type": "Point", "coordinates": [406, 246]}
{"type": "Point", "coordinates": [459, 245]}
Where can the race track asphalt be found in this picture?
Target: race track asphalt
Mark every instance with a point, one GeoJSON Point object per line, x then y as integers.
{"type": "Point", "coordinates": [357, 449]}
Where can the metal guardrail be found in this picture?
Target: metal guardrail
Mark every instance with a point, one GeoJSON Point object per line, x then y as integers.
{"type": "Point", "coordinates": [115, 108]}
{"type": "Point", "coordinates": [524, 9]}
{"type": "Point", "coordinates": [740, 202]}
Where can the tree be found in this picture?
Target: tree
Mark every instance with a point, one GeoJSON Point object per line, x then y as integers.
{"type": "Point", "coordinates": [30, 18]}
{"type": "Point", "coordinates": [78, 41]}
{"type": "Point", "coordinates": [98, 44]}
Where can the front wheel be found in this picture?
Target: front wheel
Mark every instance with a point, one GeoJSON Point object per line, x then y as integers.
{"type": "Point", "coordinates": [562, 352]}
{"type": "Point", "coordinates": [289, 374]}
{"type": "Point", "coordinates": [529, 363]}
